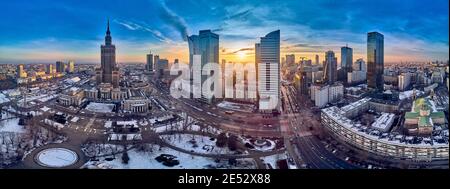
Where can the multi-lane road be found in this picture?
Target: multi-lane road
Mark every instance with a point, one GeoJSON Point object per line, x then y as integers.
{"type": "Point", "coordinates": [312, 151]}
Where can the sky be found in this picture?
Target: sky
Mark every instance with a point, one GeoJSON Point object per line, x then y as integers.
{"type": "Point", "coordinates": [41, 31]}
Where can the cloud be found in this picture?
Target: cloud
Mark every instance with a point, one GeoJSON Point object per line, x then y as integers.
{"type": "Point", "coordinates": [241, 15]}
{"type": "Point", "coordinates": [174, 20]}
{"type": "Point", "coordinates": [138, 27]}
{"type": "Point", "coordinates": [240, 50]}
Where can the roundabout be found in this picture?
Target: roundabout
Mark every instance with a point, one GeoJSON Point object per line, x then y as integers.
{"type": "Point", "coordinates": [56, 158]}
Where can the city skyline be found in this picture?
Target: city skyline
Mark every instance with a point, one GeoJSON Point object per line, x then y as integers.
{"type": "Point", "coordinates": [305, 31]}
{"type": "Point", "coordinates": [192, 103]}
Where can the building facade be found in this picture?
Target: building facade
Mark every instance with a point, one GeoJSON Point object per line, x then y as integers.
{"type": "Point", "coordinates": [388, 145]}
{"type": "Point", "coordinates": [269, 72]}
{"type": "Point", "coordinates": [330, 68]}
{"type": "Point", "coordinates": [60, 67]}
{"type": "Point", "coordinates": [108, 72]}
{"type": "Point", "coordinates": [149, 64]}
{"type": "Point", "coordinates": [375, 60]}
{"type": "Point", "coordinates": [346, 61]}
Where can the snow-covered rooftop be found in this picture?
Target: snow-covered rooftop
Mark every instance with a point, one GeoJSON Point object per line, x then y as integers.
{"type": "Point", "coordinates": [100, 107]}
{"type": "Point", "coordinates": [384, 122]}
{"type": "Point", "coordinates": [335, 113]}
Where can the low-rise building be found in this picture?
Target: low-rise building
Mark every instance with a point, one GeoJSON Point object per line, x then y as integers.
{"type": "Point", "coordinates": [71, 97]}
{"type": "Point", "coordinates": [423, 117]}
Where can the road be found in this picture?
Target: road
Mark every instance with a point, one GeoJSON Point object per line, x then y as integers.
{"type": "Point", "coordinates": [311, 150]}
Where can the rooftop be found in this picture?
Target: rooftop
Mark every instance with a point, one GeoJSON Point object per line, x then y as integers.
{"type": "Point", "coordinates": [384, 121]}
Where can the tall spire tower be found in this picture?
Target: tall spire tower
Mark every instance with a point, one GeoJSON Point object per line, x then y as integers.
{"type": "Point", "coordinates": [108, 38]}
{"type": "Point", "coordinates": [108, 72]}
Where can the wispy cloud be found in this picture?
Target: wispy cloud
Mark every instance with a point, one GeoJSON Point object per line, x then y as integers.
{"type": "Point", "coordinates": [174, 20]}
{"type": "Point", "coordinates": [137, 27]}
{"type": "Point", "coordinates": [235, 52]}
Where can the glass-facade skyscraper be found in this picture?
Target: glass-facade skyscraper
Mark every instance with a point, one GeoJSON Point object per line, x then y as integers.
{"type": "Point", "coordinates": [346, 61]}
{"type": "Point", "coordinates": [375, 60]}
{"type": "Point", "coordinates": [330, 68]}
{"type": "Point", "coordinates": [269, 71]}
{"type": "Point", "coordinates": [150, 62]}
{"type": "Point", "coordinates": [206, 44]}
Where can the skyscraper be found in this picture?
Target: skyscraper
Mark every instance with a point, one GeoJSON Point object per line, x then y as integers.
{"type": "Point", "coordinates": [346, 61]}
{"type": "Point", "coordinates": [257, 61]}
{"type": "Point", "coordinates": [375, 60]}
{"type": "Point", "coordinates": [155, 61]}
{"type": "Point", "coordinates": [60, 67]}
{"type": "Point", "coordinates": [108, 72]}
{"type": "Point", "coordinates": [71, 66]}
{"type": "Point", "coordinates": [21, 73]}
{"type": "Point", "coordinates": [317, 59]}
{"type": "Point", "coordinates": [161, 66]}
{"type": "Point", "coordinates": [269, 71]}
{"type": "Point", "coordinates": [205, 44]}
{"type": "Point", "coordinates": [50, 69]}
{"type": "Point", "coordinates": [330, 68]}
{"type": "Point", "coordinates": [149, 64]}
{"type": "Point", "coordinates": [359, 65]}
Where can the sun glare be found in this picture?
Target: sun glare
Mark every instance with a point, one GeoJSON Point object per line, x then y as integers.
{"type": "Point", "coordinates": [241, 55]}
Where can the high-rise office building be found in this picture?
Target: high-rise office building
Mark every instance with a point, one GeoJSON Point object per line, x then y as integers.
{"type": "Point", "coordinates": [359, 65]}
{"type": "Point", "coordinates": [257, 61]}
{"type": "Point", "coordinates": [161, 66]}
{"type": "Point", "coordinates": [149, 64]}
{"type": "Point", "coordinates": [21, 73]}
{"type": "Point", "coordinates": [346, 61]}
{"type": "Point", "coordinates": [60, 67]}
{"type": "Point", "coordinates": [205, 44]}
{"type": "Point", "coordinates": [108, 72]}
{"type": "Point", "coordinates": [269, 72]}
{"type": "Point", "coordinates": [71, 66]}
{"type": "Point", "coordinates": [404, 81]}
{"type": "Point", "coordinates": [50, 69]}
{"type": "Point", "coordinates": [330, 68]}
{"type": "Point", "coordinates": [317, 59]}
{"type": "Point", "coordinates": [375, 60]}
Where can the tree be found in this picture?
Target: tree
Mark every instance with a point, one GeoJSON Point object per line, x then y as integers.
{"type": "Point", "coordinates": [125, 157]}
{"type": "Point", "coordinates": [232, 142]}
{"type": "Point", "coordinates": [221, 140]}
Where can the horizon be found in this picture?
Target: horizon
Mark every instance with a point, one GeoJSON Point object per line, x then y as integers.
{"type": "Point", "coordinates": [67, 30]}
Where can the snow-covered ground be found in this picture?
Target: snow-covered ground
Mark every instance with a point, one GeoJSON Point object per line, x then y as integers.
{"type": "Point", "coordinates": [45, 109]}
{"type": "Point", "coordinates": [56, 157]}
{"type": "Point", "coordinates": [3, 98]}
{"type": "Point", "coordinates": [108, 124]}
{"type": "Point", "coordinates": [178, 126]}
{"type": "Point", "coordinates": [266, 148]}
{"type": "Point", "coordinates": [236, 106]}
{"type": "Point", "coordinates": [14, 141]}
{"type": "Point", "coordinates": [10, 125]}
{"type": "Point", "coordinates": [146, 160]}
{"type": "Point", "coordinates": [269, 146]}
{"type": "Point", "coordinates": [91, 150]}
{"type": "Point", "coordinates": [409, 94]}
{"type": "Point", "coordinates": [196, 143]}
{"type": "Point", "coordinates": [100, 107]}
{"type": "Point", "coordinates": [272, 160]}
